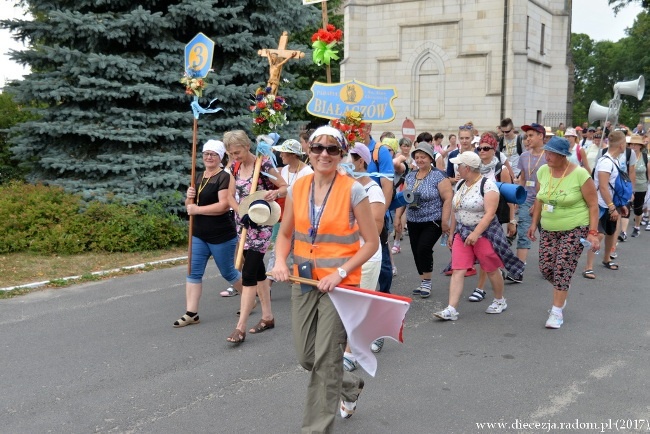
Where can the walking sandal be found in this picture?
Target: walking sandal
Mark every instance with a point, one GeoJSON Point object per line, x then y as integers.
{"type": "Point", "coordinates": [236, 337]}
{"type": "Point", "coordinates": [263, 325]}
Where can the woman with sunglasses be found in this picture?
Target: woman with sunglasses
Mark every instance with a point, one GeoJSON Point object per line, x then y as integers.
{"type": "Point", "coordinates": [258, 238]}
{"type": "Point", "coordinates": [493, 168]}
{"type": "Point", "coordinates": [213, 229]}
{"type": "Point", "coordinates": [476, 235]}
{"type": "Point", "coordinates": [329, 211]}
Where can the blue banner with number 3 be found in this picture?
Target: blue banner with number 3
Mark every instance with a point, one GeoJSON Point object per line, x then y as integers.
{"type": "Point", "coordinates": [198, 56]}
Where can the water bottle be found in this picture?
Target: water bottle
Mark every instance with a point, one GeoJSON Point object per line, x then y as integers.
{"type": "Point", "coordinates": [587, 245]}
{"type": "Point", "coordinates": [443, 240]}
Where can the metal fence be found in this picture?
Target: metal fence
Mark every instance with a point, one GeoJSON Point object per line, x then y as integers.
{"type": "Point", "coordinates": [553, 119]}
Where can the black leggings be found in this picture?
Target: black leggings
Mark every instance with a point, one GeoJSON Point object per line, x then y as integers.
{"type": "Point", "coordinates": [423, 237]}
{"type": "Point", "coordinates": [253, 270]}
{"type": "Point", "coordinates": [639, 198]}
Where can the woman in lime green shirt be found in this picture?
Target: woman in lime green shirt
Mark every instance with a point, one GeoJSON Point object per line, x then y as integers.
{"type": "Point", "coordinates": [567, 208]}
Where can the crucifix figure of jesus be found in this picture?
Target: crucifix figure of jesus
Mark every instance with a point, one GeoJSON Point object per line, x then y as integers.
{"type": "Point", "coordinates": [277, 58]}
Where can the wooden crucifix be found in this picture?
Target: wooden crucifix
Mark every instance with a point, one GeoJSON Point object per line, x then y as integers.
{"type": "Point", "coordinates": [277, 58]}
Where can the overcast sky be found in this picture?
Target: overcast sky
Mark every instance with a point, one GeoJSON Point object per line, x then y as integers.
{"type": "Point", "coordinates": [593, 17]}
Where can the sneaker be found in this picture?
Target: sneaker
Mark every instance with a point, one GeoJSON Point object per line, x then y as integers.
{"type": "Point", "coordinates": [417, 291]}
{"type": "Point", "coordinates": [636, 232]}
{"type": "Point", "coordinates": [513, 279]}
{"type": "Point", "coordinates": [622, 237]}
{"type": "Point", "coordinates": [477, 295]}
{"type": "Point", "coordinates": [647, 228]}
{"type": "Point", "coordinates": [350, 364]}
{"type": "Point", "coordinates": [395, 250]}
{"type": "Point", "coordinates": [377, 345]}
{"type": "Point", "coordinates": [497, 306]}
{"type": "Point", "coordinates": [446, 314]}
{"type": "Point", "coordinates": [348, 407]}
{"type": "Point", "coordinates": [554, 320]}
{"type": "Point", "coordinates": [425, 292]}
{"type": "Point", "coordinates": [644, 220]}
{"type": "Point", "coordinates": [394, 270]}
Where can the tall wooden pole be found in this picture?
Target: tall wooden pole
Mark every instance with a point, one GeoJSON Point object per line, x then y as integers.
{"type": "Point", "coordinates": [193, 185]}
{"type": "Point", "coordinates": [244, 231]}
{"type": "Point", "coordinates": [328, 69]}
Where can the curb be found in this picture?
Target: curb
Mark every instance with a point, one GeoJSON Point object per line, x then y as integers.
{"type": "Point", "coordinates": [95, 273]}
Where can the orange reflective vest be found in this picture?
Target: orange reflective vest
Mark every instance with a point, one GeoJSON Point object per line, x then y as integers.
{"type": "Point", "coordinates": [336, 241]}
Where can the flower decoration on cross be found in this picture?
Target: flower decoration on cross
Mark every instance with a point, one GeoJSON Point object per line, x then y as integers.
{"type": "Point", "coordinates": [268, 111]}
{"type": "Point", "coordinates": [323, 43]}
{"type": "Point", "coordinates": [351, 125]}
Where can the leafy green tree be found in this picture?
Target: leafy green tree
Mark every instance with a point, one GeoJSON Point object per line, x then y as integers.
{"type": "Point", "coordinates": [617, 5]}
{"type": "Point", "coordinates": [116, 121]}
{"type": "Point", "coordinates": [600, 65]}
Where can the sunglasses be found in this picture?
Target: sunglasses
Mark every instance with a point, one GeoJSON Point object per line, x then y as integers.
{"type": "Point", "coordinates": [465, 127]}
{"type": "Point", "coordinates": [331, 150]}
{"type": "Point", "coordinates": [506, 131]}
{"type": "Point", "coordinates": [485, 148]}
{"type": "Point", "coordinates": [210, 154]}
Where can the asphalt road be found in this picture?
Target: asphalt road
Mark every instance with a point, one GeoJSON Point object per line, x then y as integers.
{"type": "Point", "coordinates": [104, 357]}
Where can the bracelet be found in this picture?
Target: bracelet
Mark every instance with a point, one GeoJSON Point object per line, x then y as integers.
{"type": "Point", "coordinates": [592, 232]}
{"type": "Point", "coordinates": [610, 204]}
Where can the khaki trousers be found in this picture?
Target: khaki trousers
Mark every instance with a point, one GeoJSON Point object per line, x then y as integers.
{"type": "Point", "coordinates": [319, 338]}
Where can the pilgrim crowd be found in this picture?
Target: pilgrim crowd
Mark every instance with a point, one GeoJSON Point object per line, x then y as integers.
{"type": "Point", "coordinates": [320, 209]}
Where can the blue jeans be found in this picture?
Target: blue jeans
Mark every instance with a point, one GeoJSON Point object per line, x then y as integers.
{"type": "Point", "coordinates": [224, 258]}
{"type": "Point", "coordinates": [525, 219]}
{"type": "Point", "coordinates": [386, 273]}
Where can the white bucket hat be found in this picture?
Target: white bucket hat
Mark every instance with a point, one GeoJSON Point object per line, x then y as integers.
{"type": "Point", "coordinates": [290, 146]}
{"type": "Point", "coordinates": [259, 210]}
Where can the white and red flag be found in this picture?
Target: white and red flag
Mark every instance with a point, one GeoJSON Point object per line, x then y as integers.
{"type": "Point", "coordinates": [369, 315]}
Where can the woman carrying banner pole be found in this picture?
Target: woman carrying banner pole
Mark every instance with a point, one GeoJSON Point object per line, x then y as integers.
{"type": "Point", "coordinates": [329, 212]}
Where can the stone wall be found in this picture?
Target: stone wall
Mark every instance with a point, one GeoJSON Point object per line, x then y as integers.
{"type": "Point", "coordinates": [445, 59]}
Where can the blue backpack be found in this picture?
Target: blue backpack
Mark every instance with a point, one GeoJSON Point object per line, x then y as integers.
{"type": "Point", "coordinates": [622, 187]}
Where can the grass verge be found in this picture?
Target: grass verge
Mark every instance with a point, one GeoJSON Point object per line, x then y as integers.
{"type": "Point", "coordinates": [19, 269]}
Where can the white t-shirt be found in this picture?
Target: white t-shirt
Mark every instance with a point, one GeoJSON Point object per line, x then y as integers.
{"type": "Point", "coordinates": [468, 203]}
{"type": "Point", "coordinates": [510, 149]}
{"type": "Point", "coordinates": [375, 195]}
{"type": "Point", "coordinates": [606, 164]}
{"type": "Point", "coordinates": [290, 178]}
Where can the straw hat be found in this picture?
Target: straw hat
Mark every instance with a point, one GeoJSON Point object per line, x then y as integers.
{"type": "Point", "coordinates": [259, 210]}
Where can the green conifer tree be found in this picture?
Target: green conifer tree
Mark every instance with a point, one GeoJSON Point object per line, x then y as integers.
{"type": "Point", "coordinates": [116, 121]}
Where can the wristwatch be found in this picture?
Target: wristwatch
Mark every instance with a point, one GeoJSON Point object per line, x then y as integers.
{"type": "Point", "coordinates": [513, 222]}
{"type": "Point", "coordinates": [342, 272]}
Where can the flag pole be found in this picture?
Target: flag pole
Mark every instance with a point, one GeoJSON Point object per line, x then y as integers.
{"type": "Point", "coordinates": [193, 185]}
{"type": "Point", "coordinates": [328, 69]}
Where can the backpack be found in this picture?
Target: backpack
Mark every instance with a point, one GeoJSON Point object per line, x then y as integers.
{"type": "Point", "coordinates": [622, 187]}
{"type": "Point", "coordinates": [503, 209]}
{"type": "Point", "coordinates": [520, 148]}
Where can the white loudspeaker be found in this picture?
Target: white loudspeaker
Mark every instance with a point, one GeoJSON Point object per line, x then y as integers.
{"type": "Point", "coordinates": [598, 112]}
{"type": "Point", "coordinates": [633, 88]}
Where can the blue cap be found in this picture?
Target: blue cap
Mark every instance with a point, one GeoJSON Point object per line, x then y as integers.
{"type": "Point", "coordinates": [559, 145]}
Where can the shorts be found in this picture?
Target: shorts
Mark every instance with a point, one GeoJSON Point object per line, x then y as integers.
{"type": "Point", "coordinates": [463, 257]}
{"type": "Point", "coordinates": [605, 225]}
